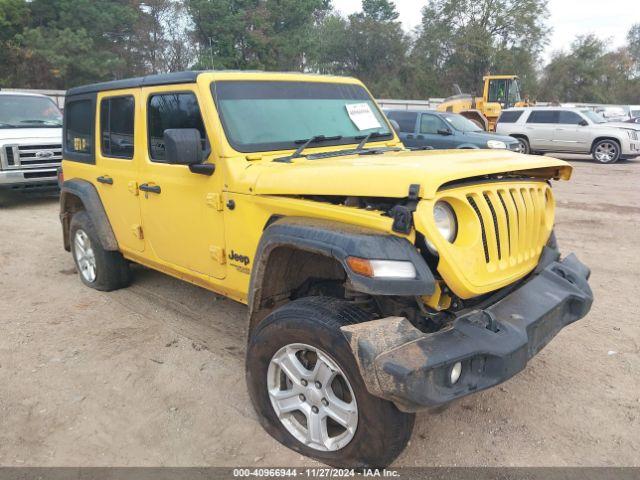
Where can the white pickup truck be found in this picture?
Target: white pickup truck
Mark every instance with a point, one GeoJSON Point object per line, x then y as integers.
{"type": "Point", "coordinates": [30, 141]}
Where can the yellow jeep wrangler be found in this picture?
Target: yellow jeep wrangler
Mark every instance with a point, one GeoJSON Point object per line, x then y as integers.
{"type": "Point", "coordinates": [379, 281]}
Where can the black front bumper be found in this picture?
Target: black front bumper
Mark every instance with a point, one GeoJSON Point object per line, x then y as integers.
{"type": "Point", "coordinates": [412, 369]}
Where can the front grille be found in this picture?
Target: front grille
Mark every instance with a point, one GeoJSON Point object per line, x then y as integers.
{"type": "Point", "coordinates": [33, 156]}
{"type": "Point", "coordinates": [512, 222]}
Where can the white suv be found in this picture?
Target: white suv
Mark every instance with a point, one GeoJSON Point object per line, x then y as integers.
{"type": "Point", "coordinates": [569, 130]}
{"type": "Point", "coordinates": [30, 141]}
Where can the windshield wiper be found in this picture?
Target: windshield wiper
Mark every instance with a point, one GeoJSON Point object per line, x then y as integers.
{"type": "Point", "coordinates": [365, 139]}
{"type": "Point", "coordinates": [305, 143]}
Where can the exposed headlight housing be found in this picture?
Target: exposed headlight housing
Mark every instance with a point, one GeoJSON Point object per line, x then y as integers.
{"type": "Point", "coordinates": [497, 144]}
{"type": "Point", "coordinates": [445, 219]}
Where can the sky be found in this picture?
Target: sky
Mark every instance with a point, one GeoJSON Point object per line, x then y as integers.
{"type": "Point", "coordinates": [568, 18]}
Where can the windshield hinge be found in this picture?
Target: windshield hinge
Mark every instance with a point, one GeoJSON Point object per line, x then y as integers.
{"type": "Point", "coordinates": [403, 214]}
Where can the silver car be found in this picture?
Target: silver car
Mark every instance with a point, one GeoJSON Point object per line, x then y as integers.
{"type": "Point", "coordinates": [569, 130]}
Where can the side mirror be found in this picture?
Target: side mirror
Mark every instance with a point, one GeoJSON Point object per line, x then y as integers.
{"type": "Point", "coordinates": [395, 125]}
{"type": "Point", "coordinates": [445, 131]}
{"type": "Point", "coordinates": [183, 146]}
{"type": "Point", "coordinates": [583, 123]}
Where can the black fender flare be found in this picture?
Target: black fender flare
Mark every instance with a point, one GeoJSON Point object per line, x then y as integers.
{"type": "Point", "coordinates": [339, 241]}
{"type": "Point", "coordinates": [92, 204]}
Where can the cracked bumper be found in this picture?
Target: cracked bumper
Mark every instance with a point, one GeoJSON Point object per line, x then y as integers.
{"type": "Point", "coordinates": [410, 368]}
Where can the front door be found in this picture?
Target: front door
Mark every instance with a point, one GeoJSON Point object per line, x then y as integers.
{"type": "Point", "coordinates": [433, 131]}
{"type": "Point", "coordinates": [570, 136]}
{"type": "Point", "coordinates": [181, 211]}
{"type": "Point", "coordinates": [117, 163]}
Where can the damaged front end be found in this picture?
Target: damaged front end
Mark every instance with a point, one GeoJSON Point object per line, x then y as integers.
{"type": "Point", "coordinates": [487, 346]}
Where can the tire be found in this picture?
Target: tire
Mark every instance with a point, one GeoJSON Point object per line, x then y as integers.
{"type": "Point", "coordinates": [606, 151]}
{"type": "Point", "coordinates": [524, 145]}
{"type": "Point", "coordinates": [382, 431]}
{"type": "Point", "coordinates": [110, 270]}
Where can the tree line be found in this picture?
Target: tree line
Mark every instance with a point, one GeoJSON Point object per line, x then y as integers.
{"type": "Point", "coordinates": [56, 44]}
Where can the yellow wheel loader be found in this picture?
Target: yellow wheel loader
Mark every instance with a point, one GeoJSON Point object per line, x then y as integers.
{"type": "Point", "coordinates": [499, 92]}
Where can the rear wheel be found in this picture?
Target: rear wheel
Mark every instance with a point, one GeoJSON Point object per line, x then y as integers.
{"type": "Point", "coordinates": [523, 146]}
{"type": "Point", "coordinates": [606, 151]}
{"type": "Point", "coordinates": [98, 268]}
{"type": "Point", "coordinates": [307, 390]}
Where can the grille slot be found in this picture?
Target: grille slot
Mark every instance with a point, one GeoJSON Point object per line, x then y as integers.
{"type": "Point", "coordinates": [473, 204]}
{"type": "Point", "coordinates": [511, 223]}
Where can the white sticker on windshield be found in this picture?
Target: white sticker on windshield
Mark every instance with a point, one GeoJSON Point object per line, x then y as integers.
{"type": "Point", "coordinates": [362, 115]}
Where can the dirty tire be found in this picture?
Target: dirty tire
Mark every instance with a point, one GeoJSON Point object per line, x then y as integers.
{"type": "Point", "coordinates": [382, 431]}
{"type": "Point", "coordinates": [111, 269]}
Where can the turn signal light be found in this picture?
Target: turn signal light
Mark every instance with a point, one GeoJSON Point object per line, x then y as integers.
{"type": "Point", "coordinates": [395, 269]}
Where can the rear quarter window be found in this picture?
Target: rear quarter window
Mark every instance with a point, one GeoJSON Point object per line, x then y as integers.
{"type": "Point", "coordinates": [79, 123]}
{"type": "Point", "coordinates": [510, 117]}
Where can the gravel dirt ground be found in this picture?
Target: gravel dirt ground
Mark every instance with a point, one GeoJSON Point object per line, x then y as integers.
{"type": "Point", "coordinates": [154, 375]}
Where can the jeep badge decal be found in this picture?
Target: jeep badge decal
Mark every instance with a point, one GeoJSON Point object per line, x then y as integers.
{"type": "Point", "coordinates": [236, 257]}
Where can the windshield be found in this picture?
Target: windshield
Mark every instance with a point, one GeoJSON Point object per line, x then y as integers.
{"type": "Point", "coordinates": [462, 124]}
{"type": "Point", "coordinates": [24, 111]}
{"type": "Point", "coordinates": [260, 116]}
{"type": "Point", "coordinates": [593, 116]}
{"type": "Point", "coordinates": [514, 93]}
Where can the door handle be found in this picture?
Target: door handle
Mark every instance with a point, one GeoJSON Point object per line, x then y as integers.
{"type": "Point", "coordinates": [420, 137]}
{"type": "Point", "coordinates": [105, 179]}
{"type": "Point", "coordinates": [145, 187]}
{"type": "Point", "coordinates": [409, 137]}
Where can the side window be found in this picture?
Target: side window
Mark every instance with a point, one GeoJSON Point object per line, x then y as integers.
{"type": "Point", "coordinates": [430, 124]}
{"type": "Point", "coordinates": [406, 120]}
{"type": "Point", "coordinates": [497, 91]}
{"type": "Point", "coordinates": [171, 110]}
{"type": "Point", "coordinates": [78, 135]}
{"type": "Point", "coordinates": [543, 116]}
{"type": "Point", "coordinates": [569, 118]}
{"type": "Point", "coordinates": [510, 117]}
{"type": "Point", "coordinates": [116, 126]}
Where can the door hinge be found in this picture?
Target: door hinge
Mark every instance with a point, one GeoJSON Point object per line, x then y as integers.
{"type": "Point", "coordinates": [217, 253]}
{"type": "Point", "coordinates": [214, 200]}
{"type": "Point", "coordinates": [137, 232]}
{"type": "Point", "coordinates": [133, 187]}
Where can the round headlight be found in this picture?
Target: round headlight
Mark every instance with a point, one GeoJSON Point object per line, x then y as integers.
{"type": "Point", "coordinates": [496, 144]}
{"type": "Point", "coordinates": [445, 219]}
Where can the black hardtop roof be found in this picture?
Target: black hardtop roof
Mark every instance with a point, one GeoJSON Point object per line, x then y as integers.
{"type": "Point", "coordinates": [148, 81]}
{"type": "Point", "coordinates": [153, 80]}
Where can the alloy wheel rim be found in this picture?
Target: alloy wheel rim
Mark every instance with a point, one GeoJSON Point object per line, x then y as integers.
{"type": "Point", "coordinates": [312, 397]}
{"type": "Point", "coordinates": [521, 147]}
{"type": "Point", "coordinates": [85, 256]}
{"type": "Point", "coordinates": [606, 152]}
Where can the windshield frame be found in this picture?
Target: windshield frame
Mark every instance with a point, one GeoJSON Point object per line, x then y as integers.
{"type": "Point", "coordinates": [6, 126]}
{"type": "Point", "coordinates": [267, 148]}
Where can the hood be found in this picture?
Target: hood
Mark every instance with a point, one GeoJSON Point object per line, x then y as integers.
{"type": "Point", "coordinates": [625, 125]}
{"type": "Point", "coordinates": [492, 136]}
{"type": "Point", "coordinates": [390, 174]}
{"type": "Point", "coordinates": [16, 135]}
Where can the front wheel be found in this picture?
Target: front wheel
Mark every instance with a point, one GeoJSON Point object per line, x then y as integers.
{"type": "Point", "coordinates": [606, 151]}
{"type": "Point", "coordinates": [306, 388]}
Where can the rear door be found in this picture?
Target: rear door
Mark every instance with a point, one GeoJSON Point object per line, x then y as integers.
{"type": "Point", "coordinates": [541, 129]}
{"type": "Point", "coordinates": [117, 163]}
{"type": "Point", "coordinates": [407, 122]}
